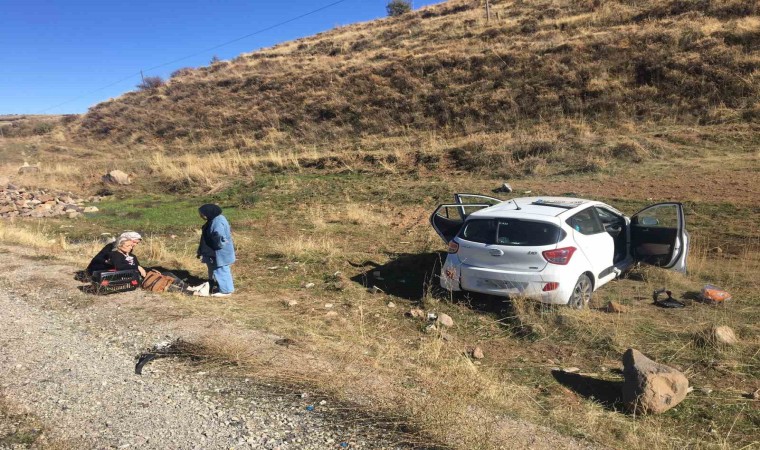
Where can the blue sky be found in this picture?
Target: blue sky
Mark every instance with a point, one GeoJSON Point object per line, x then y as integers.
{"type": "Point", "coordinates": [60, 51]}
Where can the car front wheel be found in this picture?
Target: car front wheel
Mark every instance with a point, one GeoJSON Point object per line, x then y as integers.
{"type": "Point", "coordinates": [581, 294]}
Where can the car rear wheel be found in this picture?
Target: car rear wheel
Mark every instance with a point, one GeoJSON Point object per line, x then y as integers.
{"type": "Point", "coordinates": [581, 294]}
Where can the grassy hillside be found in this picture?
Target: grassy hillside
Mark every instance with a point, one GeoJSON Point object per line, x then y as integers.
{"type": "Point", "coordinates": [447, 71]}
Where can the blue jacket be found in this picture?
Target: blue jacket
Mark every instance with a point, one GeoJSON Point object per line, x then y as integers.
{"type": "Point", "coordinates": [219, 250]}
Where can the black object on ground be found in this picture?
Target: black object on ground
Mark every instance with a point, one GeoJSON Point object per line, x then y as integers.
{"type": "Point", "coordinates": [669, 302]}
{"type": "Point", "coordinates": [175, 348]}
{"type": "Point", "coordinates": [144, 359]}
{"type": "Point", "coordinates": [111, 282]}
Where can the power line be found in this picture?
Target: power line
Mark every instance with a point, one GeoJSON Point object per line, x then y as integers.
{"type": "Point", "coordinates": [200, 52]}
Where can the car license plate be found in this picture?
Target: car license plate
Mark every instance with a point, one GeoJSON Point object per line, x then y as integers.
{"type": "Point", "coordinates": [500, 284]}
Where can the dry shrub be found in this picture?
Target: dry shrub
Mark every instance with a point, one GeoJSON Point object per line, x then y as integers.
{"type": "Point", "coordinates": [306, 248]}
{"type": "Point", "coordinates": [613, 13]}
{"type": "Point", "coordinates": [593, 163]}
{"type": "Point", "coordinates": [476, 156]}
{"type": "Point", "coordinates": [629, 151]}
{"type": "Point", "coordinates": [534, 165]}
{"type": "Point", "coordinates": [542, 149]}
{"type": "Point", "coordinates": [12, 233]}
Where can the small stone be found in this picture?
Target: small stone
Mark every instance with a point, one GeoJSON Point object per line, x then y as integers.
{"type": "Point", "coordinates": [723, 335]}
{"type": "Point", "coordinates": [430, 328]}
{"type": "Point", "coordinates": [416, 313]}
{"type": "Point", "coordinates": [328, 305]}
{"type": "Point", "coordinates": [331, 314]}
{"type": "Point", "coordinates": [477, 353]}
{"type": "Point", "coordinates": [615, 307]}
{"type": "Point", "coordinates": [375, 290]}
{"type": "Point", "coordinates": [445, 320]}
{"type": "Point", "coordinates": [292, 303]}
{"type": "Point", "coordinates": [117, 177]}
{"type": "Point", "coordinates": [73, 215]}
{"type": "Point", "coordinates": [90, 209]}
{"type": "Point", "coordinates": [308, 285]}
{"type": "Point", "coordinates": [391, 305]}
{"type": "Point", "coordinates": [571, 369]}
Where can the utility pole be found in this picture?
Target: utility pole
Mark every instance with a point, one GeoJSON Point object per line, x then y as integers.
{"type": "Point", "coordinates": [142, 77]}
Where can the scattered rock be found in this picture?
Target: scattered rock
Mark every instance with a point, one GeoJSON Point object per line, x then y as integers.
{"type": "Point", "coordinates": [651, 387]}
{"type": "Point", "coordinates": [328, 305]}
{"type": "Point", "coordinates": [391, 305]}
{"type": "Point", "coordinates": [717, 336]}
{"type": "Point", "coordinates": [375, 290]}
{"type": "Point", "coordinates": [477, 353]}
{"type": "Point", "coordinates": [755, 395]}
{"type": "Point", "coordinates": [571, 370]}
{"type": "Point", "coordinates": [90, 209]}
{"type": "Point", "coordinates": [291, 303]}
{"type": "Point", "coordinates": [723, 335]}
{"type": "Point", "coordinates": [26, 168]}
{"type": "Point", "coordinates": [19, 202]}
{"type": "Point", "coordinates": [117, 177]}
{"type": "Point", "coordinates": [615, 307]}
{"type": "Point", "coordinates": [308, 285]}
{"type": "Point", "coordinates": [503, 188]}
{"type": "Point", "coordinates": [430, 328]}
{"type": "Point", "coordinates": [445, 320]}
{"type": "Point", "coordinates": [416, 313]}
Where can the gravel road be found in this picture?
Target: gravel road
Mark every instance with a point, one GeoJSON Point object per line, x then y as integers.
{"type": "Point", "coordinates": [67, 361]}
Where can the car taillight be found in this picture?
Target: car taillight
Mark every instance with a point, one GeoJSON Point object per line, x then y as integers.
{"type": "Point", "coordinates": [453, 247]}
{"type": "Point", "coordinates": [550, 286]}
{"type": "Point", "coordinates": [559, 256]}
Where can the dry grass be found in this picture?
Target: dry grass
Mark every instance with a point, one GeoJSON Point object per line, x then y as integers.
{"type": "Point", "coordinates": [534, 68]}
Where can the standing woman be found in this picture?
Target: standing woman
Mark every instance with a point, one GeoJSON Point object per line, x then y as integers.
{"type": "Point", "coordinates": [216, 249]}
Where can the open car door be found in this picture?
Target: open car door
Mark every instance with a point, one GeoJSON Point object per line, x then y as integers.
{"type": "Point", "coordinates": [448, 218]}
{"type": "Point", "coordinates": [659, 237]}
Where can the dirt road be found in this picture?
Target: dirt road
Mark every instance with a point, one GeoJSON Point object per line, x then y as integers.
{"type": "Point", "coordinates": [67, 369]}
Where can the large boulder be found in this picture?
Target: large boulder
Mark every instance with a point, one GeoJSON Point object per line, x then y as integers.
{"type": "Point", "coordinates": [117, 177]}
{"type": "Point", "coordinates": [651, 387]}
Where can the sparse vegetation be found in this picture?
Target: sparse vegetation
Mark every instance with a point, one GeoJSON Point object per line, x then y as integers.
{"type": "Point", "coordinates": [150, 83]}
{"type": "Point", "coordinates": [396, 8]}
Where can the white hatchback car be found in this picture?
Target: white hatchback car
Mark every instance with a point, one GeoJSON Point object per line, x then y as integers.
{"type": "Point", "coordinates": [558, 250]}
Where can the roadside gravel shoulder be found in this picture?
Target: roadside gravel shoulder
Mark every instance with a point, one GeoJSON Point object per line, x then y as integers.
{"type": "Point", "coordinates": [67, 360]}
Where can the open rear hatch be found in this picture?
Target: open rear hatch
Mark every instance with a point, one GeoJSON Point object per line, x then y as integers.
{"type": "Point", "coordinates": [448, 218]}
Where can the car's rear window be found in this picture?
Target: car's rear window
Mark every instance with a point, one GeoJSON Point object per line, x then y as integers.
{"type": "Point", "coordinates": [511, 232]}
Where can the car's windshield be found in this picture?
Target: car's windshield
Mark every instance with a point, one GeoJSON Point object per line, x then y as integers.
{"type": "Point", "coordinates": [511, 232]}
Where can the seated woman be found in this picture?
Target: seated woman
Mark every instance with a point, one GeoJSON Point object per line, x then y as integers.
{"type": "Point", "coordinates": [118, 255]}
